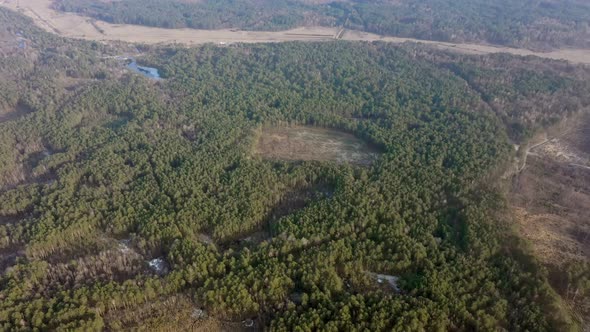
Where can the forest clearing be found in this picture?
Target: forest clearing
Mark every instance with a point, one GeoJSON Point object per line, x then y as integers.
{"type": "Point", "coordinates": [76, 26]}
{"type": "Point", "coordinates": [552, 186]}
{"type": "Point", "coordinates": [309, 143]}
{"type": "Point", "coordinates": [551, 199]}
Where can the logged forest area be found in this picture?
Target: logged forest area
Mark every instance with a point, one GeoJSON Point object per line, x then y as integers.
{"type": "Point", "coordinates": [295, 186]}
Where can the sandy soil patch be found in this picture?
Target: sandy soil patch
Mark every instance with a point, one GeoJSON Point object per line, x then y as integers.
{"type": "Point", "coordinates": [76, 26]}
{"type": "Point", "coordinates": [311, 143]}
{"type": "Point", "coordinates": [572, 55]}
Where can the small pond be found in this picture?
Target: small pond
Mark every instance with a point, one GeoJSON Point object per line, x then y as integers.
{"type": "Point", "coordinates": [148, 72]}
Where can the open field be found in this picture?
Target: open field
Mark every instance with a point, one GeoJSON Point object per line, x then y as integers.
{"type": "Point", "coordinates": [309, 143]}
{"type": "Point", "coordinates": [77, 26]}
{"type": "Point", "coordinates": [551, 203]}
{"type": "Point", "coordinates": [570, 145]}
{"type": "Point", "coordinates": [551, 206]}
{"type": "Point", "coordinates": [551, 195]}
{"type": "Point", "coordinates": [550, 198]}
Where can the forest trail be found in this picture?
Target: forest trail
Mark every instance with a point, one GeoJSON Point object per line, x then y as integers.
{"type": "Point", "coordinates": [528, 152]}
{"type": "Point", "coordinates": [76, 26]}
{"type": "Point", "coordinates": [573, 131]}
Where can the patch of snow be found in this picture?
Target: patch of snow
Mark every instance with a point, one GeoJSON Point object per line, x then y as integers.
{"type": "Point", "coordinates": [391, 280]}
{"type": "Point", "coordinates": [198, 313]}
{"type": "Point", "coordinates": [124, 246]}
{"type": "Point", "coordinates": [159, 265]}
{"type": "Point", "coordinates": [248, 323]}
{"type": "Point", "coordinates": [205, 239]}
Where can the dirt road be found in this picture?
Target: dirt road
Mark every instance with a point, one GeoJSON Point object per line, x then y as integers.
{"type": "Point", "coordinates": [77, 26]}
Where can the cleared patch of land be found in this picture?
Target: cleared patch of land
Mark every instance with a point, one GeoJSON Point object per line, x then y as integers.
{"type": "Point", "coordinates": [311, 143]}
{"type": "Point", "coordinates": [551, 195]}
{"type": "Point", "coordinates": [553, 209]}
{"type": "Point", "coordinates": [551, 202]}
{"type": "Point", "coordinates": [77, 26]}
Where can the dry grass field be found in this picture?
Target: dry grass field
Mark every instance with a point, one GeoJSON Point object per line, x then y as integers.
{"type": "Point", "coordinates": [309, 143]}
{"type": "Point", "coordinates": [77, 26]}
{"type": "Point", "coordinates": [551, 196]}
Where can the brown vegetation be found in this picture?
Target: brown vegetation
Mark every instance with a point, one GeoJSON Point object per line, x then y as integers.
{"type": "Point", "coordinates": [309, 143]}
{"type": "Point", "coordinates": [14, 113]}
{"type": "Point", "coordinates": [77, 26]}
{"type": "Point", "coordinates": [113, 264]}
{"type": "Point", "coordinates": [29, 168]}
{"type": "Point", "coordinates": [552, 194]}
{"type": "Point", "coordinates": [551, 202]}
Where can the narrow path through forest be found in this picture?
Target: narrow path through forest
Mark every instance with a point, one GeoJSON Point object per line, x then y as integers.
{"type": "Point", "coordinates": [528, 152]}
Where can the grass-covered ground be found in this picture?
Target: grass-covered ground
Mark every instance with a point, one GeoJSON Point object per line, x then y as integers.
{"type": "Point", "coordinates": [310, 143]}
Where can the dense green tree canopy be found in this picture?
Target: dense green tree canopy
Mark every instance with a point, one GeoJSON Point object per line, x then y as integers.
{"type": "Point", "coordinates": [110, 170]}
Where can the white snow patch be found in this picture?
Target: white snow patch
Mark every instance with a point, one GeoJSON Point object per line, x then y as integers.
{"type": "Point", "coordinates": [391, 280]}
{"type": "Point", "coordinates": [159, 265]}
{"type": "Point", "coordinates": [124, 246]}
{"type": "Point", "coordinates": [198, 313]}
{"type": "Point", "coordinates": [248, 323]}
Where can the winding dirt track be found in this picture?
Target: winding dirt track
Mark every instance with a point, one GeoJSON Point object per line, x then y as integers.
{"type": "Point", "coordinates": [77, 26]}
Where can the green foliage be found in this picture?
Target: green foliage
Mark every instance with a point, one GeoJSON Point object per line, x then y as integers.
{"type": "Point", "coordinates": [530, 23]}
{"type": "Point", "coordinates": [136, 170]}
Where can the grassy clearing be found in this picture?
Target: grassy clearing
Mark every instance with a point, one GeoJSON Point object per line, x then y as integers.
{"type": "Point", "coordinates": [551, 195]}
{"type": "Point", "coordinates": [310, 143]}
